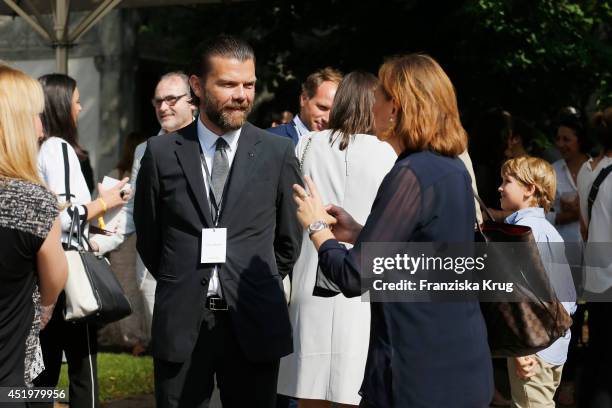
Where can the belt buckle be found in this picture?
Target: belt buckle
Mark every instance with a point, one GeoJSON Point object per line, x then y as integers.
{"type": "Point", "coordinates": [213, 304]}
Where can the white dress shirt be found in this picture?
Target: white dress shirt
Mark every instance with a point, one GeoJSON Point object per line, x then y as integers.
{"type": "Point", "coordinates": [301, 129]}
{"type": "Point", "coordinates": [565, 186]}
{"type": "Point", "coordinates": [208, 140]}
{"type": "Point", "coordinates": [597, 256]}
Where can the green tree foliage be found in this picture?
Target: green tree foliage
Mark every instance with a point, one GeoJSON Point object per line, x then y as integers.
{"type": "Point", "coordinates": [529, 56]}
{"type": "Point", "coordinates": [539, 55]}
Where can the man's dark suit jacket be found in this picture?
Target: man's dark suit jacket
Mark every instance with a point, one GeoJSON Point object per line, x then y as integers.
{"type": "Point", "coordinates": [287, 130]}
{"type": "Point", "coordinates": [263, 234]}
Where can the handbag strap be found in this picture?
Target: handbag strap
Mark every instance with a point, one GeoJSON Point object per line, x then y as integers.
{"type": "Point", "coordinates": [74, 233]}
{"type": "Point", "coordinates": [75, 222]}
{"type": "Point", "coordinates": [305, 151]}
{"type": "Point", "coordinates": [595, 188]}
{"type": "Point", "coordinates": [483, 206]}
{"type": "Point", "coordinates": [66, 173]}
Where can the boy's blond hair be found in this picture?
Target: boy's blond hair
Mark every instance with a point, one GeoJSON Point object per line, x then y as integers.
{"type": "Point", "coordinates": [532, 171]}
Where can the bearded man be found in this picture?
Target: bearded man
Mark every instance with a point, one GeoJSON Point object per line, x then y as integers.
{"type": "Point", "coordinates": [216, 226]}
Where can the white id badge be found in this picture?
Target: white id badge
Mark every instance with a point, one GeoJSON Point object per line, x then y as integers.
{"type": "Point", "coordinates": [214, 242]}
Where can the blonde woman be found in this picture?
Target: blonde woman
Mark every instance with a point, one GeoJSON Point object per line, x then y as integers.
{"type": "Point", "coordinates": [30, 255]}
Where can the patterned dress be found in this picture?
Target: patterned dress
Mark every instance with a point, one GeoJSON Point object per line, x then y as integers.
{"type": "Point", "coordinates": [27, 212]}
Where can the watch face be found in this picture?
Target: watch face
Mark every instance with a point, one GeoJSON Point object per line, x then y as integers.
{"type": "Point", "coordinates": [316, 226]}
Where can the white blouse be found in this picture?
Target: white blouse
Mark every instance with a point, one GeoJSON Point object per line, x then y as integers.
{"type": "Point", "coordinates": [51, 169]}
{"type": "Point", "coordinates": [565, 187]}
{"type": "Point", "coordinates": [597, 257]}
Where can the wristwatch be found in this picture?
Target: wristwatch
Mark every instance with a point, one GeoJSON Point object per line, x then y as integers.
{"type": "Point", "coordinates": [317, 226]}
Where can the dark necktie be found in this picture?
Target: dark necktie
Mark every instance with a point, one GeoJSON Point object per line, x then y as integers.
{"type": "Point", "coordinates": [220, 170]}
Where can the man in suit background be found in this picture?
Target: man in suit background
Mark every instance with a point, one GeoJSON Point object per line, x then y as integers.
{"type": "Point", "coordinates": [316, 99]}
{"type": "Point", "coordinates": [174, 110]}
{"type": "Point", "coordinates": [216, 226]}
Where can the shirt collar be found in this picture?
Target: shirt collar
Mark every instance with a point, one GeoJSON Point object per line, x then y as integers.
{"type": "Point", "coordinates": [300, 126]}
{"type": "Point", "coordinates": [208, 138]}
{"type": "Point", "coordinates": [607, 160]}
{"type": "Point", "coordinates": [563, 168]}
{"type": "Point", "coordinates": [536, 212]}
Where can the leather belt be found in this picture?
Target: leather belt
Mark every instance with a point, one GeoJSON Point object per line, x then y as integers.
{"type": "Point", "coordinates": [216, 303]}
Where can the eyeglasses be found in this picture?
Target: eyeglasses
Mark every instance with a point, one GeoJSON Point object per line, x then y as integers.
{"type": "Point", "coordinates": [170, 100]}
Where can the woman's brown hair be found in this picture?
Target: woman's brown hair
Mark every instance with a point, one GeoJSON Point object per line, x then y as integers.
{"type": "Point", "coordinates": [428, 117]}
{"type": "Point", "coordinates": [351, 112]}
{"type": "Point", "coordinates": [57, 117]}
{"type": "Point", "coordinates": [602, 126]}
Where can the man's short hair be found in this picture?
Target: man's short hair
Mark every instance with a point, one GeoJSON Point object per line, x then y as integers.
{"type": "Point", "coordinates": [222, 45]}
{"type": "Point", "coordinates": [314, 80]}
{"type": "Point", "coordinates": [177, 74]}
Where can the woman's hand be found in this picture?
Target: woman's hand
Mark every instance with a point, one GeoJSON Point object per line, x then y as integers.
{"type": "Point", "coordinates": [526, 367]}
{"type": "Point", "coordinates": [310, 207]}
{"type": "Point", "coordinates": [345, 229]}
{"type": "Point", "coordinates": [113, 196]}
{"type": "Point", "coordinates": [46, 312]}
{"type": "Point", "coordinates": [570, 212]}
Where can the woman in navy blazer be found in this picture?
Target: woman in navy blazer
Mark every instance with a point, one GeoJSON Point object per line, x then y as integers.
{"type": "Point", "coordinates": [430, 355]}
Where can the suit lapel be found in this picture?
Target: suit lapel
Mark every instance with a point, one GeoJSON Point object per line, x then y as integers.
{"type": "Point", "coordinates": [246, 156]}
{"type": "Point", "coordinates": [188, 153]}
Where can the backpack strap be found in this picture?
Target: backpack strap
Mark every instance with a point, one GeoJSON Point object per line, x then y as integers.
{"type": "Point", "coordinates": [595, 188]}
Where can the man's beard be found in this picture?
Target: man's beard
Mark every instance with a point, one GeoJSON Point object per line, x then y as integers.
{"type": "Point", "coordinates": [221, 117]}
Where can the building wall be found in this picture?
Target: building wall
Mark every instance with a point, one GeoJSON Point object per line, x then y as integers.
{"type": "Point", "coordinates": [102, 62]}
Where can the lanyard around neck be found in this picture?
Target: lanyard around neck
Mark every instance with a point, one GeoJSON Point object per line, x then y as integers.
{"type": "Point", "coordinates": [215, 209]}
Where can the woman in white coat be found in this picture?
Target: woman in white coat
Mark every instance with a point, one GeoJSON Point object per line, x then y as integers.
{"type": "Point", "coordinates": [331, 334]}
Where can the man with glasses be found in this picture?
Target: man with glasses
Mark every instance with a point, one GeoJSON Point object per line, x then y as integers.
{"type": "Point", "coordinates": [174, 110]}
{"type": "Point", "coordinates": [172, 102]}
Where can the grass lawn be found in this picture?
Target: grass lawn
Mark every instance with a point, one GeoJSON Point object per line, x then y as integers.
{"type": "Point", "coordinates": [119, 376]}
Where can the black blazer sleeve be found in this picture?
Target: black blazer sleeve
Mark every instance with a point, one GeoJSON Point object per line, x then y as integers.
{"type": "Point", "coordinates": [288, 235]}
{"type": "Point", "coordinates": [146, 214]}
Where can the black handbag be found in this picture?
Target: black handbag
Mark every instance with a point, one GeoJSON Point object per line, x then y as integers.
{"type": "Point", "coordinates": [93, 293]}
{"type": "Point", "coordinates": [535, 321]}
